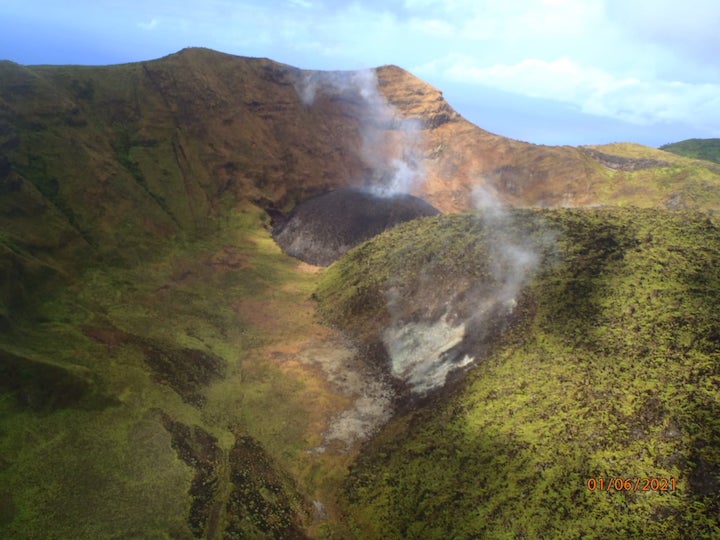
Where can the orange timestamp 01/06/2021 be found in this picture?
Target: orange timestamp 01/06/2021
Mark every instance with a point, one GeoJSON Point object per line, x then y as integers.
{"type": "Point", "coordinates": [631, 484]}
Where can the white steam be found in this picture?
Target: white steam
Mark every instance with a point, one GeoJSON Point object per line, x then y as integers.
{"type": "Point", "coordinates": [425, 349]}
{"type": "Point", "coordinates": [419, 353]}
{"type": "Point", "coordinates": [363, 82]}
{"type": "Point", "coordinates": [391, 144]}
{"type": "Point", "coordinates": [423, 354]}
{"type": "Point", "coordinates": [370, 410]}
{"type": "Point", "coordinates": [513, 259]}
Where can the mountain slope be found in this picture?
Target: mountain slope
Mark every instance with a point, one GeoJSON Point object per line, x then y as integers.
{"type": "Point", "coordinates": [609, 370]}
{"type": "Point", "coordinates": [179, 138]}
{"type": "Point", "coordinates": [165, 369]}
{"type": "Point", "coordinates": [112, 161]}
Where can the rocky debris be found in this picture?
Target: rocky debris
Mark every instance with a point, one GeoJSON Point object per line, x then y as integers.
{"type": "Point", "coordinates": [620, 163]}
{"type": "Point", "coordinates": [320, 230]}
{"type": "Point", "coordinates": [187, 371]}
{"type": "Point", "coordinates": [675, 202]}
{"type": "Point", "coordinates": [199, 450]}
{"type": "Point", "coordinates": [263, 502]}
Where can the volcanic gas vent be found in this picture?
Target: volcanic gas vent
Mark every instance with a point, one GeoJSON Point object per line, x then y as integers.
{"type": "Point", "coordinates": [321, 229]}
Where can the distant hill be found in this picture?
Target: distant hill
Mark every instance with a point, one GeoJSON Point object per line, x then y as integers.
{"type": "Point", "coordinates": [708, 149]}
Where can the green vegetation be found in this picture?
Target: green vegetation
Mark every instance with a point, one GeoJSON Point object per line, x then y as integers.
{"type": "Point", "coordinates": [708, 149]}
{"type": "Point", "coordinates": [646, 177]}
{"type": "Point", "coordinates": [158, 352]}
{"type": "Point", "coordinates": [609, 370]}
{"type": "Point", "coordinates": [141, 401]}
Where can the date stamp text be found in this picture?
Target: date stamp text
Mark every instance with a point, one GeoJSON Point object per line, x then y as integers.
{"type": "Point", "coordinates": [632, 484]}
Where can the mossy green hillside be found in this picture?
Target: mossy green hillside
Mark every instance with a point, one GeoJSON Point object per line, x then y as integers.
{"type": "Point", "coordinates": [611, 369]}
{"type": "Point", "coordinates": [708, 149]}
{"type": "Point", "coordinates": [636, 175]}
{"type": "Point", "coordinates": [133, 398]}
{"type": "Point", "coordinates": [151, 331]}
{"type": "Point", "coordinates": [421, 271]}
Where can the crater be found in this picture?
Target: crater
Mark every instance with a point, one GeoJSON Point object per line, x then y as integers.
{"type": "Point", "coordinates": [320, 230]}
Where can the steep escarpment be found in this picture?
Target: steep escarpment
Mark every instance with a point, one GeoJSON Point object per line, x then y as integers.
{"type": "Point", "coordinates": [115, 160]}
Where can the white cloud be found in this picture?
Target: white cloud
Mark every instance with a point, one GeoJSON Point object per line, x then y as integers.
{"type": "Point", "coordinates": [560, 79]}
{"type": "Point", "coordinates": [148, 25]}
{"type": "Point", "coordinates": [596, 91]}
{"type": "Point", "coordinates": [432, 27]}
{"type": "Point", "coordinates": [691, 25]}
{"type": "Point", "coordinates": [519, 22]}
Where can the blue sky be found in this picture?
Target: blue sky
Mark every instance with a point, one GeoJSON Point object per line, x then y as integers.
{"type": "Point", "coordinates": [543, 71]}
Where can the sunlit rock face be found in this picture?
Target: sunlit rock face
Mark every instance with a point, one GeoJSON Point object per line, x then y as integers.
{"type": "Point", "coordinates": [321, 229]}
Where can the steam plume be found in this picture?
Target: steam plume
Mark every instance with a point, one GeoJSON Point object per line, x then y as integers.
{"type": "Point", "coordinates": [390, 143]}
{"type": "Point", "coordinates": [513, 259]}
{"type": "Point", "coordinates": [423, 353]}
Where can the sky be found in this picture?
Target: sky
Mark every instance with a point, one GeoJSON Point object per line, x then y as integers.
{"type": "Point", "coordinates": [543, 71]}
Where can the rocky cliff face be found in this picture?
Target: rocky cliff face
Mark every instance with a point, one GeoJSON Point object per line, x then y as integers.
{"type": "Point", "coordinates": [175, 139]}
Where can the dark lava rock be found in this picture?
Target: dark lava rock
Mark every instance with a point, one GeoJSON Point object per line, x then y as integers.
{"type": "Point", "coordinates": [187, 371]}
{"type": "Point", "coordinates": [320, 230]}
{"type": "Point", "coordinates": [264, 502]}
{"type": "Point", "coordinates": [620, 163]}
{"type": "Point", "coordinates": [199, 450]}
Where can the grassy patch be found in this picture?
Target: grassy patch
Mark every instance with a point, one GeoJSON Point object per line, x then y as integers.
{"type": "Point", "coordinates": [176, 343]}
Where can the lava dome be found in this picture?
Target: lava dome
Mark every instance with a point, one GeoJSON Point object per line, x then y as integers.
{"type": "Point", "coordinates": [320, 230]}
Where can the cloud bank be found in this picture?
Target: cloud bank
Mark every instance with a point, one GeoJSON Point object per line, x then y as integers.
{"type": "Point", "coordinates": [597, 91]}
